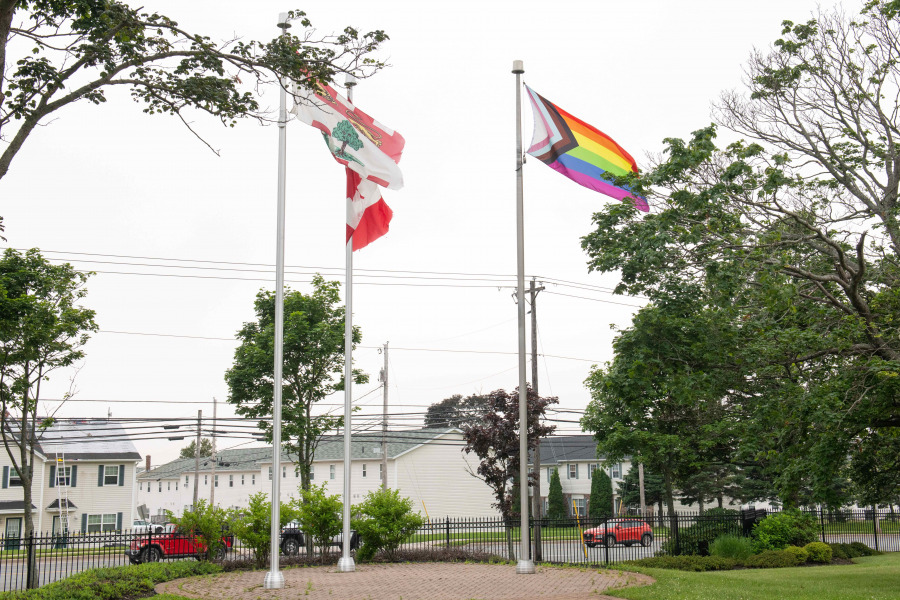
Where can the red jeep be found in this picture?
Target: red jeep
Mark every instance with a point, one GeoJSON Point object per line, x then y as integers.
{"type": "Point", "coordinates": [172, 544]}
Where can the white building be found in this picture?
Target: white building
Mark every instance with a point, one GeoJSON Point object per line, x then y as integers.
{"type": "Point", "coordinates": [73, 460]}
{"type": "Point", "coordinates": [426, 465]}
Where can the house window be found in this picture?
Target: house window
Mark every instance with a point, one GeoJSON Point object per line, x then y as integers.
{"type": "Point", "coordinates": [98, 523]}
{"type": "Point", "coordinates": [242, 479]}
{"type": "Point", "coordinates": [573, 471]}
{"type": "Point", "coordinates": [616, 470]}
{"type": "Point", "coordinates": [186, 477]}
{"type": "Point", "coordinates": [591, 469]}
{"type": "Point", "coordinates": [253, 479]}
{"type": "Point", "coordinates": [206, 480]}
{"type": "Point", "coordinates": [550, 472]}
{"type": "Point", "coordinates": [215, 481]}
{"type": "Point", "coordinates": [312, 472]}
{"type": "Point", "coordinates": [111, 475]}
{"type": "Point", "coordinates": [63, 476]}
{"type": "Point", "coordinates": [364, 469]}
{"type": "Point", "coordinates": [546, 506]}
{"type": "Point", "coordinates": [331, 471]}
{"type": "Point", "coordinates": [168, 486]}
{"type": "Point", "coordinates": [176, 485]}
{"type": "Point", "coordinates": [381, 471]}
{"type": "Point", "coordinates": [579, 506]}
{"type": "Point", "coordinates": [160, 486]}
{"type": "Point", "coordinates": [231, 481]}
{"type": "Point", "coordinates": [270, 473]}
{"type": "Point", "coordinates": [283, 472]}
{"type": "Point", "coordinates": [141, 486]}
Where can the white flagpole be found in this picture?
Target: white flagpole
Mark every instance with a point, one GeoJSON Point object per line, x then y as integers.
{"type": "Point", "coordinates": [525, 565]}
{"type": "Point", "coordinates": [275, 578]}
{"type": "Point", "coordinates": [346, 564]}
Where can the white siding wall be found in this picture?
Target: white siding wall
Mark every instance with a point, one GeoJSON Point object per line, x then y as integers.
{"type": "Point", "coordinates": [436, 476]}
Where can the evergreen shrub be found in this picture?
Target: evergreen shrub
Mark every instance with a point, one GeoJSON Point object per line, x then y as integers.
{"type": "Point", "coordinates": [819, 552]}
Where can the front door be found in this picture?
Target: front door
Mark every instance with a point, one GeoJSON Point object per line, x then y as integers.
{"type": "Point", "coordinates": [13, 533]}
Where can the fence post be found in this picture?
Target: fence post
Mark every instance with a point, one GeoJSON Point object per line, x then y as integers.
{"type": "Point", "coordinates": [875, 524]}
{"type": "Point", "coordinates": [30, 575]}
{"type": "Point", "coordinates": [677, 537]}
{"type": "Point", "coordinates": [822, 521]}
{"type": "Point", "coordinates": [606, 541]}
{"type": "Point", "coordinates": [447, 521]}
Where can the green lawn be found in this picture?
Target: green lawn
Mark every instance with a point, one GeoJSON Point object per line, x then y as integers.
{"type": "Point", "coordinates": [872, 578]}
{"type": "Point", "coordinates": [862, 527]}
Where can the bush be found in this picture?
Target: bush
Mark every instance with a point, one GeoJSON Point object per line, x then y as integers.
{"type": "Point", "coordinates": [319, 514]}
{"type": "Point", "coordinates": [697, 538]}
{"type": "Point", "coordinates": [819, 552]}
{"type": "Point", "coordinates": [840, 551]}
{"type": "Point", "coordinates": [789, 528]}
{"type": "Point", "coordinates": [801, 553]}
{"type": "Point", "coordinates": [772, 559]}
{"type": "Point", "coordinates": [252, 525]}
{"type": "Point", "coordinates": [385, 520]}
{"type": "Point", "coordinates": [860, 549]}
{"type": "Point", "coordinates": [731, 546]}
{"type": "Point", "coordinates": [133, 581]}
{"type": "Point", "coordinates": [207, 522]}
{"type": "Point", "coordinates": [686, 563]}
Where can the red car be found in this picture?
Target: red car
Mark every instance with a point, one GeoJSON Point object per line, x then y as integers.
{"type": "Point", "coordinates": [620, 531]}
{"type": "Point", "coordinates": [172, 544]}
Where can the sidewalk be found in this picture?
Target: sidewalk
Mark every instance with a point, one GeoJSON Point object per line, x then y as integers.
{"type": "Point", "coordinates": [411, 581]}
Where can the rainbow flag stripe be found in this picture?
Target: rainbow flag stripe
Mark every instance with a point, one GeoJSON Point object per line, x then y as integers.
{"type": "Point", "coordinates": [579, 151]}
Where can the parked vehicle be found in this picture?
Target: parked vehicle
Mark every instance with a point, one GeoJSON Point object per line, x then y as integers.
{"type": "Point", "coordinates": [620, 531]}
{"type": "Point", "coordinates": [292, 539]}
{"type": "Point", "coordinates": [172, 544]}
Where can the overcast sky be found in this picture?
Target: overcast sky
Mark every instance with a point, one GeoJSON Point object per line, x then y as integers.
{"type": "Point", "coordinates": [193, 233]}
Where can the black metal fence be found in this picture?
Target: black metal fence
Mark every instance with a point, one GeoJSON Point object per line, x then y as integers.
{"type": "Point", "coordinates": [581, 541]}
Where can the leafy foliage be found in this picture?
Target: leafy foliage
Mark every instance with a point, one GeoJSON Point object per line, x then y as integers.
{"type": "Point", "coordinates": [801, 553]}
{"type": "Point", "coordinates": [731, 546]}
{"type": "Point", "coordinates": [60, 53]}
{"type": "Point", "coordinates": [819, 552]}
{"type": "Point", "coordinates": [780, 530]}
{"type": "Point", "coordinates": [252, 525]}
{"type": "Point", "coordinates": [600, 504]}
{"type": "Point", "coordinates": [313, 367]}
{"type": "Point", "coordinates": [207, 522]}
{"type": "Point", "coordinates": [556, 504]}
{"type": "Point", "coordinates": [772, 559]}
{"type": "Point", "coordinates": [133, 581]}
{"type": "Point", "coordinates": [190, 451]}
{"type": "Point", "coordinates": [495, 440]}
{"type": "Point", "coordinates": [319, 515]}
{"type": "Point", "coordinates": [384, 521]}
{"type": "Point", "coordinates": [698, 538]}
{"type": "Point", "coordinates": [455, 411]}
{"type": "Point", "coordinates": [42, 329]}
{"type": "Point", "coordinates": [686, 563]}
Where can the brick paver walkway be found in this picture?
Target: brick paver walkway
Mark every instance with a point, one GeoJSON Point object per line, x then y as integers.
{"type": "Point", "coordinates": [411, 581]}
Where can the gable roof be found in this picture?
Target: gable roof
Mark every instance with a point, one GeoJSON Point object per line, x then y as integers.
{"type": "Point", "coordinates": [568, 448]}
{"type": "Point", "coordinates": [87, 440]}
{"type": "Point", "coordinates": [330, 449]}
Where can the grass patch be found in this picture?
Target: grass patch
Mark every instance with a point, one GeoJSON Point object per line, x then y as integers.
{"type": "Point", "coordinates": [871, 578]}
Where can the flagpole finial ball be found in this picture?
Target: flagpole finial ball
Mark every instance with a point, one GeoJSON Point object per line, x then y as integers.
{"type": "Point", "coordinates": [349, 80]}
{"type": "Point", "coordinates": [283, 21]}
{"type": "Point", "coordinates": [518, 67]}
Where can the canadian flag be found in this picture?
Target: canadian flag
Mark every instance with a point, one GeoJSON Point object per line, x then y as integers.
{"type": "Point", "coordinates": [368, 215]}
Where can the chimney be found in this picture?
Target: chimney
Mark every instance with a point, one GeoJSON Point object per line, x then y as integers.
{"type": "Point", "coordinates": [147, 463]}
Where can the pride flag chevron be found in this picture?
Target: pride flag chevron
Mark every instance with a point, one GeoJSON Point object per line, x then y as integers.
{"type": "Point", "coordinates": [579, 151]}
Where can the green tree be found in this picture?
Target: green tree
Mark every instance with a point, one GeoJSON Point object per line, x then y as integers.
{"type": "Point", "coordinates": [252, 525]}
{"type": "Point", "coordinates": [313, 366]}
{"type": "Point", "coordinates": [654, 489]}
{"type": "Point", "coordinates": [384, 521]}
{"type": "Point", "coordinates": [54, 54]}
{"type": "Point", "coordinates": [556, 504]}
{"type": "Point", "coordinates": [42, 329]}
{"type": "Point", "coordinates": [345, 133]}
{"type": "Point", "coordinates": [455, 411]}
{"type": "Point", "coordinates": [601, 499]}
{"type": "Point", "coordinates": [190, 451]}
{"type": "Point", "coordinates": [320, 515]}
{"type": "Point", "coordinates": [208, 524]}
{"type": "Point", "coordinates": [792, 236]}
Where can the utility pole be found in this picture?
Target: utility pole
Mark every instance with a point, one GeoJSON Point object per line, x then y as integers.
{"type": "Point", "coordinates": [197, 458]}
{"type": "Point", "coordinates": [537, 506]}
{"type": "Point", "coordinates": [212, 486]}
{"type": "Point", "coordinates": [641, 488]}
{"type": "Point", "coordinates": [384, 421]}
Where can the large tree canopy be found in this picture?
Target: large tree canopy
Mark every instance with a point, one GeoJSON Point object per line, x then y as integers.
{"type": "Point", "coordinates": [54, 53]}
{"type": "Point", "coordinates": [791, 239]}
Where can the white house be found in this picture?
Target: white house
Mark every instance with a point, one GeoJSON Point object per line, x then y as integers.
{"type": "Point", "coordinates": [73, 460]}
{"type": "Point", "coordinates": [426, 465]}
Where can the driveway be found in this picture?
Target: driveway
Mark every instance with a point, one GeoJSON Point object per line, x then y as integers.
{"type": "Point", "coordinates": [411, 581]}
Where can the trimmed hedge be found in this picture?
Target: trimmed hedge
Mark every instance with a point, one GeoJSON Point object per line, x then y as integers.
{"type": "Point", "coordinates": [819, 552]}
{"type": "Point", "coordinates": [686, 563]}
{"type": "Point", "coordinates": [789, 528]}
{"type": "Point", "coordinates": [802, 554]}
{"type": "Point", "coordinates": [131, 581]}
{"type": "Point", "coordinates": [772, 559]}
